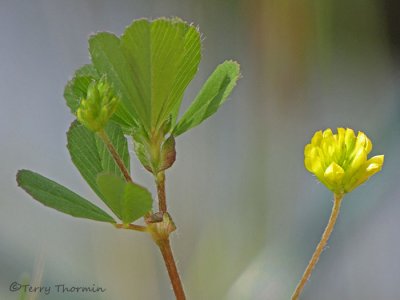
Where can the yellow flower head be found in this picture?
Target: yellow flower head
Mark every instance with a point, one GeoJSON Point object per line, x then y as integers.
{"type": "Point", "coordinates": [340, 160]}
{"type": "Point", "coordinates": [99, 105]}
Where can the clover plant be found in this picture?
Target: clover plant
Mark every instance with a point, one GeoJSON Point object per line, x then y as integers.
{"type": "Point", "coordinates": [133, 88]}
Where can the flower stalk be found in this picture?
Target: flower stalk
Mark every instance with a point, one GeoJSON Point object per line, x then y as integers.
{"type": "Point", "coordinates": [320, 247]}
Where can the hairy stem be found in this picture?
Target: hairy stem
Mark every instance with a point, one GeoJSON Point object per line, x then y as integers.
{"type": "Point", "coordinates": [162, 201]}
{"type": "Point", "coordinates": [169, 261]}
{"type": "Point", "coordinates": [103, 135]}
{"type": "Point", "coordinates": [162, 239]}
{"type": "Point", "coordinates": [320, 246]}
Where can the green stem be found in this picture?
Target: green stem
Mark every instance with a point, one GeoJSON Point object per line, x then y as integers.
{"type": "Point", "coordinates": [320, 246]}
{"type": "Point", "coordinates": [103, 135]}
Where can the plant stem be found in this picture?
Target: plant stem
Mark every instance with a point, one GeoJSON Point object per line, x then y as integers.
{"type": "Point", "coordinates": [169, 261]}
{"type": "Point", "coordinates": [160, 182]}
{"type": "Point", "coordinates": [320, 247]}
{"type": "Point", "coordinates": [103, 135]}
{"type": "Point", "coordinates": [163, 243]}
{"type": "Point", "coordinates": [162, 239]}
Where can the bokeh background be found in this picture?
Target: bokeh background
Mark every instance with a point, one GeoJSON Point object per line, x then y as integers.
{"type": "Point", "coordinates": [249, 214]}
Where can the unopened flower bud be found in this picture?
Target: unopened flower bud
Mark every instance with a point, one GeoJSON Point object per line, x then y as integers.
{"type": "Point", "coordinates": [99, 105]}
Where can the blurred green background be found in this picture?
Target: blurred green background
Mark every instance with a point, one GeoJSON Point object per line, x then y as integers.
{"type": "Point", "coordinates": [248, 213]}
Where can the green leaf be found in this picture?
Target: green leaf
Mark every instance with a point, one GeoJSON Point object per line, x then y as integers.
{"type": "Point", "coordinates": [56, 196]}
{"type": "Point", "coordinates": [90, 155]}
{"type": "Point", "coordinates": [120, 144]}
{"type": "Point", "coordinates": [108, 59]}
{"type": "Point", "coordinates": [211, 96]}
{"type": "Point", "coordinates": [141, 153]}
{"type": "Point", "coordinates": [150, 66]}
{"type": "Point", "coordinates": [164, 54]}
{"type": "Point", "coordinates": [76, 88]}
{"type": "Point", "coordinates": [129, 201]}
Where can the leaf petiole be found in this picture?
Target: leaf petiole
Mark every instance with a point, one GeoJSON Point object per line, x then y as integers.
{"type": "Point", "coordinates": [131, 227]}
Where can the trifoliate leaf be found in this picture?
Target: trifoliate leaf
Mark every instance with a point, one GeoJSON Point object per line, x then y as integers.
{"type": "Point", "coordinates": [150, 66]}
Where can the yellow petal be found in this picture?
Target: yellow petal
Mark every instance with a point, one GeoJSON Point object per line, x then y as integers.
{"type": "Point", "coordinates": [316, 139]}
{"type": "Point", "coordinates": [327, 133]}
{"type": "Point", "coordinates": [368, 145]}
{"type": "Point", "coordinates": [378, 159]}
{"type": "Point", "coordinates": [360, 157]}
{"type": "Point", "coordinates": [374, 165]}
{"type": "Point", "coordinates": [340, 135]}
{"type": "Point", "coordinates": [364, 141]}
{"type": "Point", "coordinates": [334, 174]}
{"type": "Point", "coordinates": [349, 139]}
{"type": "Point", "coordinates": [307, 150]}
{"type": "Point", "coordinates": [308, 163]}
{"type": "Point", "coordinates": [317, 167]}
{"type": "Point", "coordinates": [372, 169]}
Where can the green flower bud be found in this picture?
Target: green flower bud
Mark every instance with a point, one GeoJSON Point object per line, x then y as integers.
{"type": "Point", "coordinates": [99, 105]}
